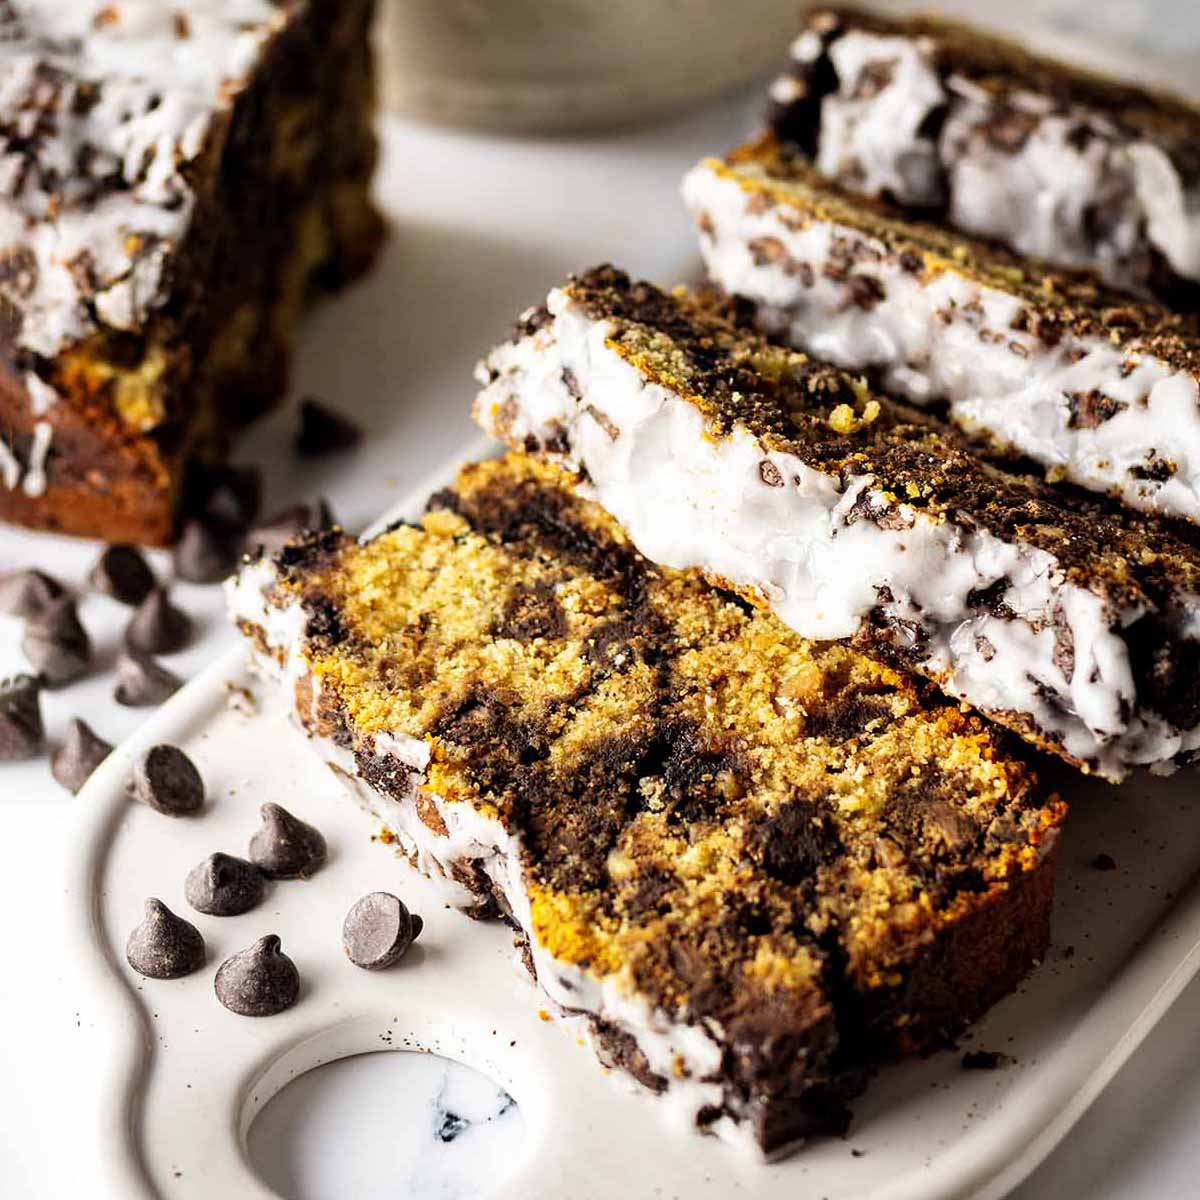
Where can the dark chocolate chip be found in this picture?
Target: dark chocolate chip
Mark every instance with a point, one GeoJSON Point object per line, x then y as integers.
{"type": "Point", "coordinates": [378, 931]}
{"type": "Point", "coordinates": [142, 682]}
{"type": "Point", "coordinates": [284, 846]}
{"type": "Point", "coordinates": [203, 555]}
{"type": "Point", "coordinates": [1104, 862]}
{"type": "Point", "coordinates": [258, 982]}
{"type": "Point", "coordinates": [27, 593]}
{"type": "Point", "coordinates": [81, 752]}
{"type": "Point", "coordinates": [123, 574]}
{"type": "Point", "coordinates": [224, 886]}
{"type": "Point", "coordinates": [982, 1060]}
{"type": "Point", "coordinates": [231, 499]}
{"type": "Point", "coordinates": [56, 644]}
{"type": "Point", "coordinates": [273, 534]}
{"type": "Point", "coordinates": [164, 946]}
{"type": "Point", "coordinates": [158, 626]}
{"type": "Point", "coordinates": [323, 431]}
{"type": "Point", "coordinates": [167, 780]}
{"type": "Point", "coordinates": [21, 732]}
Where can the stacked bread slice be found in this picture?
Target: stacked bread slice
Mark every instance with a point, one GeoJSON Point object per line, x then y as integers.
{"type": "Point", "coordinates": [720, 687]}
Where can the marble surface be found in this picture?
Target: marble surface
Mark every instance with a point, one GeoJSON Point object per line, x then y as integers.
{"type": "Point", "coordinates": [435, 1130]}
{"type": "Point", "coordinates": [482, 226]}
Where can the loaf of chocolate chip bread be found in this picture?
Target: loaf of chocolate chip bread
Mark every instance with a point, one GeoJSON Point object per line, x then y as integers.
{"type": "Point", "coordinates": [174, 178]}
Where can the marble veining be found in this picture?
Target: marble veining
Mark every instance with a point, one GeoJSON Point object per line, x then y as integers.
{"type": "Point", "coordinates": [388, 1125]}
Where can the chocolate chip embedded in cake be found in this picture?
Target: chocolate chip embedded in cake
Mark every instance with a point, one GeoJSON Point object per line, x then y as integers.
{"type": "Point", "coordinates": [855, 518]}
{"type": "Point", "coordinates": [1097, 390]}
{"type": "Point", "coordinates": [176, 179]}
{"type": "Point", "coordinates": [752, 862]}
{"type": "Point", "coordinates": [1053, 161]}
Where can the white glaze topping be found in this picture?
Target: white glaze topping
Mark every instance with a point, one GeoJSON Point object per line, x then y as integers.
{"type": "Point", "coordinates": [951, 339]}
{"type": "Point", "coordinates": [690, 500]}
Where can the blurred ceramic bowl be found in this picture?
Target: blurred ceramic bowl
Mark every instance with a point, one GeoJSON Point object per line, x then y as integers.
{"type": "Point", "coordinates": [556, 66]}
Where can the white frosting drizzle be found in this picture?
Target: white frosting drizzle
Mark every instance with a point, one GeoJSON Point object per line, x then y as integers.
{"type": "Point", "coordinates": [10, 468]}
{"type": "Point", "coordinates": [41, 395]}
{"type": "Point", "coordinates": [951, 339]}
{"type": "Point", "coordinates": [35, 475]}
{"type": "Point", "coordinates": [1076, 188]}
{"type": "Point", "coordinates": [691, 500]}
{"type": "Point", "coordinates": [107, 104]}
{"type": "Point", "coordinates": [684, 1055]}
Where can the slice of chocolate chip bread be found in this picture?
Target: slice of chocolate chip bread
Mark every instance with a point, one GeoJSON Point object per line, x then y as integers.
{"type": "Point", "coordinates": [1053, 161]}
{"type": "Point", "coordinates": [853, 518]}
{"type": "Point", "coordinates": [754, 864]}
{"type": "Point", "coordinates": [1093, 388]}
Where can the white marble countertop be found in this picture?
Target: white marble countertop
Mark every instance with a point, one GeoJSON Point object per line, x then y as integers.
{"type": "Point", "coordinates": [482, 226]}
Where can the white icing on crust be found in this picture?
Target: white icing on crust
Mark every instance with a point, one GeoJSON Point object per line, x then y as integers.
{"type": "Point", "coordinates": [687, 1057]}
{"type": "Point", "coordinates": [690, 500]}
{"type": "Point", "coordinates": [104, 107]}
{"type": "Point", "coordinates": [1076, 188]}
{"type": "Point", "coordinates": [951, 339]}
{"type": "Point", "coordinates": [35, 475]}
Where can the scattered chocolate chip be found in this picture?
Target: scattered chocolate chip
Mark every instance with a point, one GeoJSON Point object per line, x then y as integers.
{"type": "Point", "coordinates": [323, 431]}
{"type": "Point", "coordinates": [1104, 862]}
{"type": "Point", "coordinates": [378, 931]}
{"type": "Point", "coordinates": [81, 752]}
{"type": "Point", "coordinates": [21, 732]}
{"type": "Point", "coordinates": [260, 981]}
{"type": "Point", "coordinates": [167, 780]}
{"type": "Point", "coordinates": [27, 593]}
{"type": "Point", "coordinates": [273, 534]}
{"type": "Point", "coordinates": [982, 1060]}
{"type": "Point", "coordinates": [164, 946]}
{"type": "Point", "coordinates": [223, 886]}
{"type": "Point", "coordinates": [284, 846]}
{"type": "Point", "coordinates": [56, 644]}
{"type": "Point", "coordinates": [158, 626]}
{"type": "Point", "coordinates": [122, 573]}
{"type": "Point", "coordinates": [142, 682]}
{"type": "Point", "coordinates": [203, 555]}
{"type": "Point", "coordinates": [231, 497]}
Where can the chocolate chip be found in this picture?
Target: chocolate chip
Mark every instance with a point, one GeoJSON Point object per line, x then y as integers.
{"type": "Point", "coordinates": [273, 534]}
{"type": "Point", "coordinates": [158, 626]}
{"type": "Point", "coordinates": [982, 1060]}
{"type": "Point", "coordinates": [224, 886]}
{"type": "Point", "coordinates": [56, 644]}
{"type": "Point", "coordinates": [122, 573]}
{"type": "Point", "coordinates": [258, 982]}
{"type": "Point", "coordinates": [81, 752]}
{"type": "Point", "coordinates": [229, 497]}
{"type": "Point", "coordinates": [1104, 862]}
{"type": "Point", "coordinates": [203, 555]}
{"type": "Point", "coordinates": [284, 846]}
{"type": "Point", "coordinates": [142, 682]}
{"type": "Point", "coordinates": [164, 946]}
{"type": "Point", "coordinates": [27, 593]}
{"type": "Point", "coordinates": [21, 732]}
{"type": "Point", "coordinates": [323, 431]}
{"type": "Point", "coordinates": [378, 931]}
{"type": "Point", "coordinates": [167, 780]}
